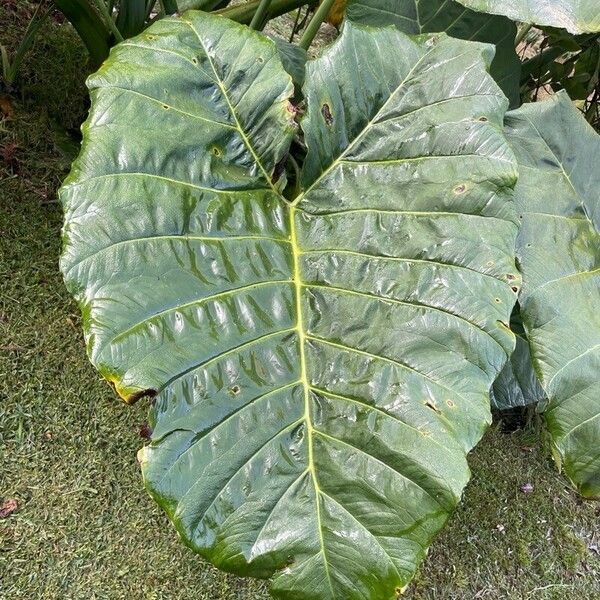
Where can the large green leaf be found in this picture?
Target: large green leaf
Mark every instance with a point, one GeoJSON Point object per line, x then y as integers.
{"type": "Point", "coordinates": [321, 368]}
{"type": "Point", "coordinates": [577, 16]}
{"type": "Point", "coordinates": [415, 16]}
{"type": "Point", "coordinates": [558, 195]}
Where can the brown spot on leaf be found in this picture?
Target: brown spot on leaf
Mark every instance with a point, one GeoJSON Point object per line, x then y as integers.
{"type": "Point", "coordinates": [450, 404]}
{"type": "Point", "coordinates": [460, 189]}
{"type": "Point", "coordinates": [326, 112]}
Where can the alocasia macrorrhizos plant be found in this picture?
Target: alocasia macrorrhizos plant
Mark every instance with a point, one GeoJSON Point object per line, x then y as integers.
{"type": "Point", "coordinates": [320, 365]}
{"type": "Point", "coordinates": [558, 198]}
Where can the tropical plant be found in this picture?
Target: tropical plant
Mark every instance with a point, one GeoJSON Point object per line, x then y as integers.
{"type": "Point", "coordinates": [318, 296]}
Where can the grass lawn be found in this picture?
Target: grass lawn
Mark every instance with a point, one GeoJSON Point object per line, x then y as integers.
{"type": "Point", "coordinates": [84, 527]}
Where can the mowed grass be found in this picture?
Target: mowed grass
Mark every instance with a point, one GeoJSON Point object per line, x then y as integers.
{"type": "Point", "coordinates": [85, 528]}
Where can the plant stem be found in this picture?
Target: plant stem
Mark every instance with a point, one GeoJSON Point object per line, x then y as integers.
{"type": "Point", "coordinates": [525, 29]}
{"type": "Point", "coordinates": [295, 27]}
{"type": "Point", "coordinates": [537, 63]}
{"type": "Point", "coordinates": [103, 9]}
{"type": "Point", "coordinates": [313, 26]}
{"type": "Point", "coordinates": [259, 15]}
{"type": "Point", "coordinates": [93, 31]}
{"type": "Point", "coordinates": [243, 13]}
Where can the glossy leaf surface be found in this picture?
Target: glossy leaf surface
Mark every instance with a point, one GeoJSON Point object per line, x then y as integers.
{"type": "Point", "coordinates": [321, 368]}
{"type": "Point", "coordinates": [577, 16]}
{"type": "Point", "coordinates": [558, 196]}
{"type": "Point", "coordinates": [417, 17]}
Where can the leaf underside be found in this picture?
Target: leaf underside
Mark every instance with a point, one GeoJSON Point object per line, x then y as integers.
{"type": "Point", "coordinates": [322, 367]}
{"type": "Point", "coordinates": [517, 385]}
{"type": "Point", "coordinates": [576, 16]}
{"type": "Point", "coordinates": [417, 17]}
{"type": "Point", "coordinates": [558, 197]}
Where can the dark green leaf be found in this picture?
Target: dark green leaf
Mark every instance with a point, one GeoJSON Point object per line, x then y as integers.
{"type": "Point", "coordinates": [517, 385]}
{"type": "Point", "coordinates": [558, 195]}
{"type": "Point", "coordinates": [414, 17]}
{"type": "Point", "coordinates": [320, 368]}
{"type": "Point", "coordinates": [293, 59]}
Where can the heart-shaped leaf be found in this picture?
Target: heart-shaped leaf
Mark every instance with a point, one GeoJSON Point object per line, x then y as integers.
{"type": "Point", "coordinates": [321, 367]}
{"type": "Point", "coordinates": [558, 196]}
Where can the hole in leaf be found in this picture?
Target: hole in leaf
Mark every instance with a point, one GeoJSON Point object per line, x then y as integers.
{"type": "Point", "coordinates": [514, 288]}
{"type": "Point", "coordinates": [216, 151]}
{"type": "Point", "coordinates": [497, 300]}
{"type": "Point", "coordinates": [483, 119]}
{"type": "Point", "coordinates": [235, 390]}
{"type": "Point", "coordinates": [195, 60]}
{"type": "Point", "coordinates": [260, 59]}
{"type": "Point", "coordinates": [326, 112]}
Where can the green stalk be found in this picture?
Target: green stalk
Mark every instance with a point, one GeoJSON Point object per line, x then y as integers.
{"type": "Point", "coordinates": [523, 33]}
{"type": "Point", "coordinates": [536, 64]}
{"type": "Point", "coordinates": [295, 27]}
{"type": "Point", "coordinates": [109, 20]}
{"type": "Point", "coordinates": [90, 27]}
{"type": "Point", "coordinates": [313, 26]}
{"type": "Point", "coordinates": [243, 13]}
{"type": "Point", "coordinates": [260, 14]}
